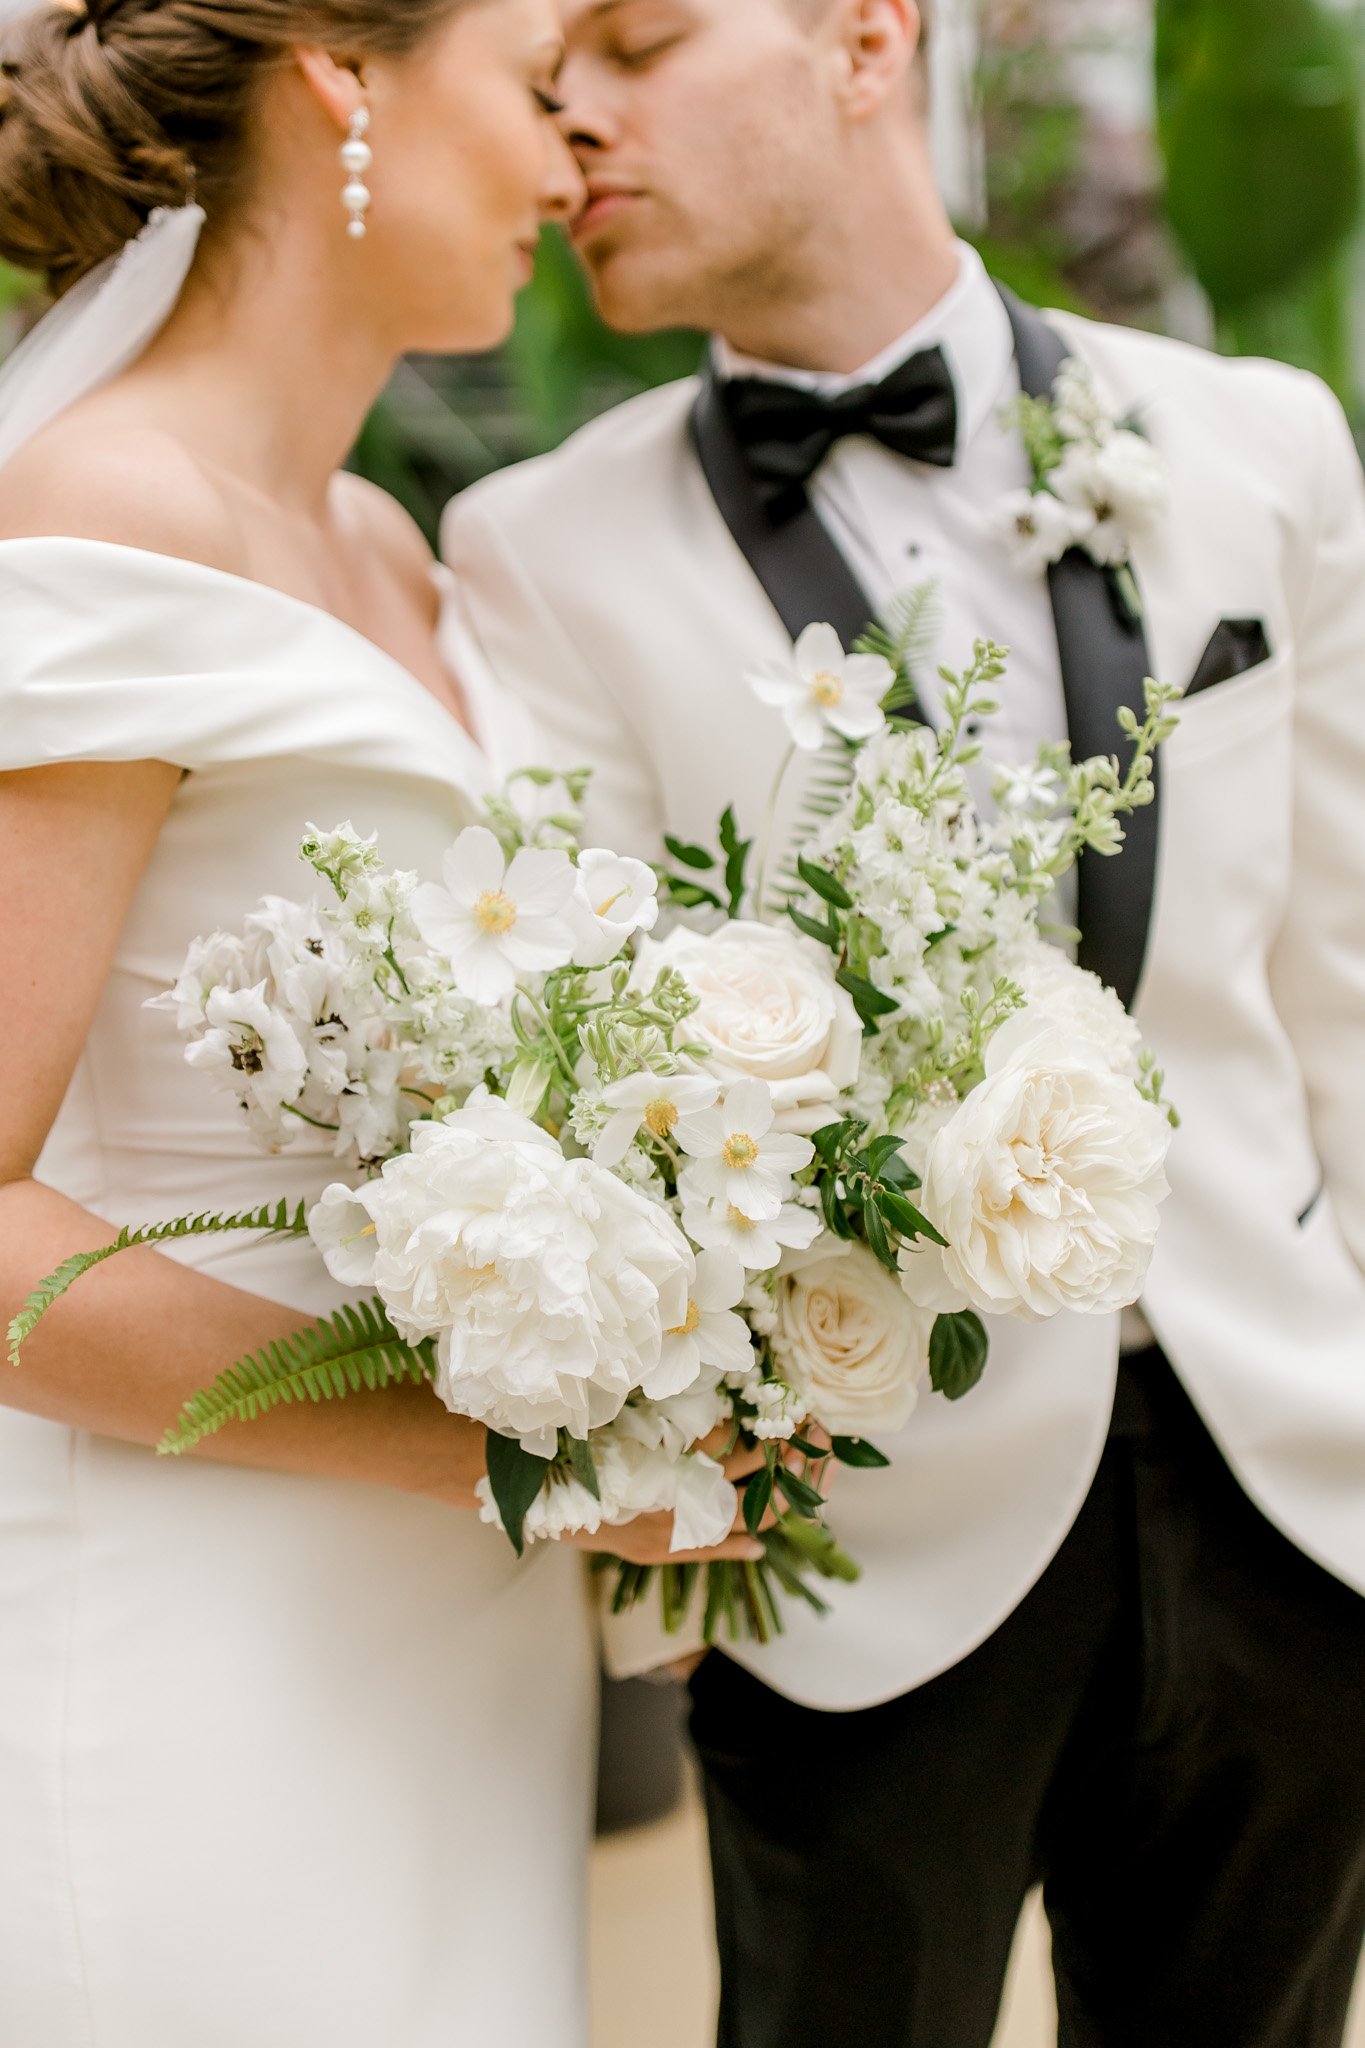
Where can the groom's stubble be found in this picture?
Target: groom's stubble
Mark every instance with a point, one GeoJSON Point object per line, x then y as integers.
{"type": "Point", "coordinates": [749, 162]}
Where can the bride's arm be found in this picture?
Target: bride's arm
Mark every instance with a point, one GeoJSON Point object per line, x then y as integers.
{"type": "Point", "coordinates": [122, 1352]}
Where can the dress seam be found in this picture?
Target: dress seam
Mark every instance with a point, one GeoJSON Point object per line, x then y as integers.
{"type": "Point", "coordinates": [77, 1945]}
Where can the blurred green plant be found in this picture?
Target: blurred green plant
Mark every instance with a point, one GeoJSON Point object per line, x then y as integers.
{"type": "Point", "coordinates": [1260, 125]}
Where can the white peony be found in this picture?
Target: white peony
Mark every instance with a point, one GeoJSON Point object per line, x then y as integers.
{"type": "Point", "coordinates": [1047, 1183]}
{"type": "Point", "coordinates": [548, 1283]}
{"type": "Point", "coordinates": [613, 900]}
{"type": "Point", "coordinates": [849, 1342]}
{"type": "Point", "coordinates": [770, 1009]}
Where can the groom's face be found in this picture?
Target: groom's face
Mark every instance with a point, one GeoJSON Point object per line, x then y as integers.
{"type": "Point", "coordinates": [706, 130]}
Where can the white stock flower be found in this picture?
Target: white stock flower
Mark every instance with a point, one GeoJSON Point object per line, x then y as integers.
{"type": "Point", "coordinates": [1038, 528]}
{"type": "Point", "coordinates": [1120, 484]}
{"type": "Point", "coordinates": [1077, 407]}
{"type": "Point", "coordinates": [492, 921]}
{"type": "Point", "coordinates": [652, 1102]}
{"type": "Point", "coordinates": [758, 1242]}
{"type": "Point", "coordinates": [614, 898]}
{"type": "Point", "coordinates": [1047, 1184]}
{"type": "Point", "coordinates": [819, 689]}
{"type": "Point", "coordinates": [710, 1335]}
{"type": "Point", "coordinates": [849, 1342]}
{"type": "Point", "coordinates": [548, 1283]}
{"type": "Point", "coordinates": [737, 1157]}
{"type": "Point", "coordinates": [1028, 787]}
{"type": "Point", "coordinates": [770, 1010]}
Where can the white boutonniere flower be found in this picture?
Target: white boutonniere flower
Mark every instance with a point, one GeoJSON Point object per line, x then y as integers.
{"type": "Point", "coordinates": [1097, 482]}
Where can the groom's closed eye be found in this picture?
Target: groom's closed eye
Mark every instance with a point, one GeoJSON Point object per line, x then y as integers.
{"type": "Point", "coordinates": [641, 30]}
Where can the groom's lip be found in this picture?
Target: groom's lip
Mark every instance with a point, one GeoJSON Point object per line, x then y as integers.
{"type": "Point", "coordinates": [602, 206]}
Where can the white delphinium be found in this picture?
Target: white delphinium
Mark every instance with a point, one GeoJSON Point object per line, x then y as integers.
{"type": "Point", "coordinates": [647, 1102]}
{"type": "Point", "coordinates": [375, 914]}
{"type": "Point", "coordinates": [453, 1042]}
{"type": "Point", "coordinates": [819, 689]}
{"type": "Point", "coordinates": [250, 1050]}
{"type": "Point", "coordinates": [342, 855]}
{"type": "Point", "coordinates": [494, 921]}
{"type": "Point", "coordinates": [547, 1282]}
{"type": "Point", "coordinates": [614, 898]}
{"type": "Point", "coordinates": [737, 1158]}
{"type": "Point", "coordinates": [1038, 528]}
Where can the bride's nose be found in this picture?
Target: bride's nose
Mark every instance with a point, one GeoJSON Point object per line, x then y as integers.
{"type": "Point", "coordinates": [564, 194]}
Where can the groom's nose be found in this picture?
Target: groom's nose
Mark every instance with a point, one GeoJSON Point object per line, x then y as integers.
{"type": "Point", "coordinates": [591, 122]}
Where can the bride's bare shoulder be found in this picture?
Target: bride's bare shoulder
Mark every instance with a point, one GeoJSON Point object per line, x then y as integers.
{"type": "Point", "coordinates": [110, 480]}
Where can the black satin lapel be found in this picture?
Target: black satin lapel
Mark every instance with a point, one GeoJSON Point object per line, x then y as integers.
{"type": "Point", "coordinates": [795, 559]}
{"type": "Point", "coordinates": [1105, 664]}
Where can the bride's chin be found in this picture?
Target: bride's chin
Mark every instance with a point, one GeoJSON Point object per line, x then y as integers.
{"type": "Point", "coordinates": [464, 332]}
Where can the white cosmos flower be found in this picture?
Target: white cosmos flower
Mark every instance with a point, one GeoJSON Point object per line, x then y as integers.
{"type": "Point", "coordinates": [494, 922]}
{"type": "Point", "coordinates": [1038, 528]}
{"type": "Point", "coordinates": [737, 1157]}
{"type": "Point", "coordinates": [652, 1102]}
{"type": "Point", "coordinates": [710, 1335]}
{"type": "Point", "coordinates": [614, 898]}
{"type": "Point", "coordinates": [757, 1243]}
{"type": "Point", "coordinates": [820, 690]}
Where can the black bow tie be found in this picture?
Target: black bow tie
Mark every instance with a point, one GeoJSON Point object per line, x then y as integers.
{"type": "Point", "coordinates": [785, 433]}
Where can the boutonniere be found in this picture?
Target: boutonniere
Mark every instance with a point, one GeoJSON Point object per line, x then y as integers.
{"type": "Point", "coordinates": [1098, 483]}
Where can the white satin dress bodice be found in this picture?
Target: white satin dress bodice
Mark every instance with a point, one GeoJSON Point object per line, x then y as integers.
{"type": "Point", "coordinates": [283, 1762]}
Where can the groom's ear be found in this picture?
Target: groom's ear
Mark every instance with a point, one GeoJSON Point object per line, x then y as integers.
{"type": "Point", "coordinates": [882, 51]}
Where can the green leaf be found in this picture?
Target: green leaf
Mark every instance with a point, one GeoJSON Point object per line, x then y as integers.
{"type": "Point", "coordinates": [830, 1139]}
{"type": "Point", "coordinates": [868, 1000]}
{"type": "Point", "coordinates": [899, 1173]}
{"type": "Point", "coordinates": [823, 884]}
{"type": "Point", "coordinates": [583, 1465]}
{"type": "Point", "coordinates": [803, 1497]}
{"type": "Point", "coordinates": [958, 1351]}
{"type": "Point", "coordinates": [516, 1479]}
{"type": "Point", "coordinates": [878, 1241]}
{"type": "Point", "coordinates": [276, 1220]}
{"type": "Point", "coordinates": [851, 1450]}
{"type": "Point", "coordinates": [881, 1152]}
{"type": "Point", "coordinates": [835, 1218]}
{"type": "Point", "coordinates": [691, 895]}
{"type": "Point", "coordinates": [758, 1498]}
{"type": "Point", "coordinates": [903, 1216]}
{"type": "Point", "coordinates": [824, 934]}
{"type": "Point", "coordinates": [354, 1351]}
{"type": "Point", "coordinates": [736, 851]}
{"type": "Point", "coordinates": [949, 931]}
{"type": "Point", "coordinates": [690, 856]}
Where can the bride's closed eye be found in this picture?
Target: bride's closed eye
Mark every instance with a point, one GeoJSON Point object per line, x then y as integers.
{"type": "Point", "coordinates": [546, 101]}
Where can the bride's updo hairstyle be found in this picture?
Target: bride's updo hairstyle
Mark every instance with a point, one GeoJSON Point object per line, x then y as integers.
{"type": "Point", "coordinates": [110, 108]}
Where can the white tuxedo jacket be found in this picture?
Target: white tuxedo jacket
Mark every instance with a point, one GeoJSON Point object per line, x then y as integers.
{"type": "Point", "coordinates": [604, 586]}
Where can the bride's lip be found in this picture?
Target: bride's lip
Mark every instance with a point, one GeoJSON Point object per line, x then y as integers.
{"type": "Point", "coordinates": [602, 206]}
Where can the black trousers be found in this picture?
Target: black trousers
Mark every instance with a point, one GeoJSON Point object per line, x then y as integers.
{"type": "Point", "coordinates": [1169, 1735]}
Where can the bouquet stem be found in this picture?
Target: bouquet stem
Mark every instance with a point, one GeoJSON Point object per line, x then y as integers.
{"type": "Point", "coordinates": [742, 1602]}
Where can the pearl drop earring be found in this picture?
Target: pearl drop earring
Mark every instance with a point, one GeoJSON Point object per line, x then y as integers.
{"type": "Point", "coordinates": [356, 158]}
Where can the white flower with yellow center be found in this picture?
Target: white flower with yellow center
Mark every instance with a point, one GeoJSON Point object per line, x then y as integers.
{"type": "Point", "coordinates": [615, 898]}
{"type": "Point", "coordinates": [649, 1102]}
{"type": "Point", "coordinates": [494, 922]}
{"type": "Point", "coordinates": [710, 1334]}
{"type": "Point", "coordinates": [737, 1157]}
{"type": "Point", "coordinates": [820, 690]}
{"type": "Point", "coordinates": [757, 1243]}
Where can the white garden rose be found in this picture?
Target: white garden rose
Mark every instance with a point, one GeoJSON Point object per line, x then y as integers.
{"type": "Point", "coordinates": [549, 1284]}
{"type": "Point", "coordinates": [1047, 1184]}
{"type": "Point", "coordinates": [848, 1341]}
{"type": "Point", "coordinates": [770, 1010]}
{"type": "Point", "coordinates": [1073, 1001]}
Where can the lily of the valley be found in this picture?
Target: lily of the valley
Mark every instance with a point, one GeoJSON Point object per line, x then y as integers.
{"type": "Point", "coordinates": [819, 690]}
{"type": "Point", "coordinates": [737, 1157]}
{"type": "Point", "coordinates": [495, 921]}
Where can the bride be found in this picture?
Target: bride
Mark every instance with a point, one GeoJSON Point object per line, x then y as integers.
{"type": "Point", "coordinates": [291, 1750]}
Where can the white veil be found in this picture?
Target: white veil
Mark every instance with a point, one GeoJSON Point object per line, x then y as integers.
{"type": "Point", "coordinates": [101, 326]}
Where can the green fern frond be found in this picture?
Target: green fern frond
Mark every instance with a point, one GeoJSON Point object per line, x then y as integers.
{"type": "Point", "coordinates": [278, 1220]}
{"type": "Point", "coordinates": [354, 1351]}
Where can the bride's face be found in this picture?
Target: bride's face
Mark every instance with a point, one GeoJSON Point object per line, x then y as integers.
{"type": "Point", "coordinates": [468, 163]}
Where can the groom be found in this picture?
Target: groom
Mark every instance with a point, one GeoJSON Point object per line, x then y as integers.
{"type": "Point", "coordinates": [1110, 1634]}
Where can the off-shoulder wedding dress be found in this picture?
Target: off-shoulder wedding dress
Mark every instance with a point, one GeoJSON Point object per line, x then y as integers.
{"type": "Point", "coordinates": [284, 1763]}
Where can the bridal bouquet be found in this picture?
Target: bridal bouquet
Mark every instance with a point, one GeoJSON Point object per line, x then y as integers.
{"type": "Point", "coordinates": [635, 1201]}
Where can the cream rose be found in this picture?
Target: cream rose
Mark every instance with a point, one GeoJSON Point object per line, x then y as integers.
{"type": "Point", "coordinates": [1047, 1184]}
{"type": "Point", "coordinates": [771, 1010]}
{"type": "Point", "coordinates": [848, 1340]}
